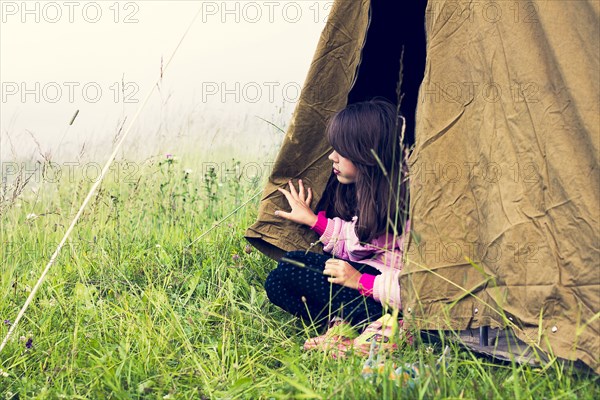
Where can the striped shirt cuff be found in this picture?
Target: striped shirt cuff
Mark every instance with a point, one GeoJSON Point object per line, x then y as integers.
{"type": "Point", "coordinates": [321, 223]}
{"type": "Point", "coordinates": [365, 285]}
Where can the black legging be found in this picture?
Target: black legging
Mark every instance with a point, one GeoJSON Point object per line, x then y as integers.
{"type": "Point", "coordinates": [288, 284]}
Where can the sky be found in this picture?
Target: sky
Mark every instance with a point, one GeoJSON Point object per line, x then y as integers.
{"type": "Point", "coordinates": [241, 63]}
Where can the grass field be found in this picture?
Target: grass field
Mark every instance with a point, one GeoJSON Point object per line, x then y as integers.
{"type": "Point", "coordinates": [132, 310]}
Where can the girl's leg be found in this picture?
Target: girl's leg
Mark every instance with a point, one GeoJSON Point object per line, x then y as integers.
{"type": "Point", "coordinates": [305, 292]}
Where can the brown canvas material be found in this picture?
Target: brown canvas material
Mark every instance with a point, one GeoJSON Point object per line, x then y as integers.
{"type": "Point", "coordinates": [504, 175]}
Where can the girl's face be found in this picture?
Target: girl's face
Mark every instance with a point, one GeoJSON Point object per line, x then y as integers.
{"type": "Point", "coordinates": [344, 169]}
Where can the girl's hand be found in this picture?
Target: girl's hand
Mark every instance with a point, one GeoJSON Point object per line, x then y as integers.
{"type": "Point", "coordinates": [342, 273]}
{"type": "Point", "coordinates": [300, 203]}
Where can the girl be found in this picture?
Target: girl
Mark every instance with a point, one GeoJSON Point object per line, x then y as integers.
{"type": "Point", "coordinates": [364, 232]}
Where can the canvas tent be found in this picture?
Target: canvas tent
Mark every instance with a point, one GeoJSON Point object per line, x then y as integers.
{"type": "Point", "coordinates": [503, 99]}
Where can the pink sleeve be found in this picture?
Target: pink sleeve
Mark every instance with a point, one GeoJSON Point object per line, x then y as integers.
{"type": "Point", "coordinates": [340, 240]}
{"type": "Point", "coordinates": [386, 287]}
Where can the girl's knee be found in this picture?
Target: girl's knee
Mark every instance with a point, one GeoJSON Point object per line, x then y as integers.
{"type": "Point", "coordinates": [276, 280]}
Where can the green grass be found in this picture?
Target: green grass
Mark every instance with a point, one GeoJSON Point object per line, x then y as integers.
{"type": "Point", "coordinates": [130, 311]}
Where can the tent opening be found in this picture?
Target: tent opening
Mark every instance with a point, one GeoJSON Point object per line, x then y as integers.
{"type": "Point", "coordinates": [395, 25]}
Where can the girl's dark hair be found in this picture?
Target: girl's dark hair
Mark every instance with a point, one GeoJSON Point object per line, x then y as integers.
{"type": "Point", "coordinates": [378, 197]}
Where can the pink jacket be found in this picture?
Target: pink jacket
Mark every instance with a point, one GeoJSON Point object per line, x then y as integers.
{"type": "Point", "coordinates": [383, 253]}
